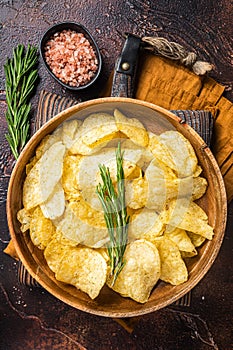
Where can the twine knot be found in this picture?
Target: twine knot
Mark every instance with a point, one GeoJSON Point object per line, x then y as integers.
{"type": "Point", "coordinates": [162, 47]}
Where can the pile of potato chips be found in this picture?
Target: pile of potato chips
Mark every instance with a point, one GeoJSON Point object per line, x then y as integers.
{"type": "Point", "coordinates": [64, 216]}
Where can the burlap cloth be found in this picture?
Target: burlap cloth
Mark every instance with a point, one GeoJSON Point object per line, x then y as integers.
{"type": "Point", "coordinates": [172, 86]}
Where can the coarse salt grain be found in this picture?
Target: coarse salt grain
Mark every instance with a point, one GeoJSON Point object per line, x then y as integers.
{"type": "Point", "coordinates": [71, 58]}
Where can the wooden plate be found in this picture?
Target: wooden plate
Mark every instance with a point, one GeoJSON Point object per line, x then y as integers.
{"type": "Point", "coordinates": [109, 303]}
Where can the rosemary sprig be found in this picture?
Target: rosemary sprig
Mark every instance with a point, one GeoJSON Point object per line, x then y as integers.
{"type": "Point", "coordinates": [115, 214]}
{"type": "Point", "coordinates": [21, 76]}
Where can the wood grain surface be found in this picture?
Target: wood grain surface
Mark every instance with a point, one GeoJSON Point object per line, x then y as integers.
{"type": "Point", "coordinates": [34, 319]}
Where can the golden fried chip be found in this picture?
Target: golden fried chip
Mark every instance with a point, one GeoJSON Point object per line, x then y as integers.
{"type": "Point", "coordinates": [145, 223]}
{"type": "Point", "coordinates": [70, 176]}
{"type": "Point", "coordinates": [160, 151]}
{"type": "Point", "coordinates": [162, 185]}
{"type": "Point", "coordinates": [132, 128]}
{"type": "Point", "coordinates": [79, 147]}
{"type": "Point", "coordinates": [96, 130]}
{"type": "Point", "coordinates": [84, 268]}
{"type": "Point", "coordinates": [181, 239]}
{"type": "Point", "coordinates": [69, 129]}
{"type": "Point", "coordinates": [132, 174]}
{"type": "Point", "coordinates": [189, 187]}
{"type": "Point", "coordinates": [48, 141]}
{"type": "Point", "coordinates": [31, 164]}
{"type": "Point", "coordinates": [136, 193]}
{"type": "Point", "coordinates": [54, 206]}
{"type": "Point", "coordinates": [185, 255]}
{"type": "Point", "coordinates": [24, 217]}
{"type": "Point", "coordinates": [196, 239]}
{"type": "Point", "coordinates": [181, 151]}
{"type": "Point", "coordinates": [173, 268]}
{"type": "Point", "coordinates": [175, 151]}
{"type": "Point", "coordinates": [41, 180]}
{"type": "Point", "coordinates": [89, 167]}
{"type": "Point", "coordinates": [104, 253]}
{"type": "Point", "coordinates": [140, 273]}
{"type": "Point", "coordinates": [197, 171]}
{"type": "Point", "coordinates": [146, 155]}
{"type": "Point", "coordinates": [83, 225]}
{"type": "Point", "coordinates": [41, 229]}
{"type": "Point", "coordinates": [190, 217]}
{"type": "Point", "coordinates": [87, 214]}
{"type": "Point", "coordinates": [62, 239]}
{"type": "Point", "coordinates": [199, 187]}
{"type": "Point", "coordinates": [54, 253]}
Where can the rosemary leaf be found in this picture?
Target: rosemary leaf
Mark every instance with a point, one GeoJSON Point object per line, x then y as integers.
{"type": "Point", "coordinates": [20, 80]}
{"type": "Point", "coordinates": [115, 214]}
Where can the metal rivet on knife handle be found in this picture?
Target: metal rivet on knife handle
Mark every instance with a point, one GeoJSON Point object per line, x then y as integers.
{"type": "Point", "coordinates": [125, 66]}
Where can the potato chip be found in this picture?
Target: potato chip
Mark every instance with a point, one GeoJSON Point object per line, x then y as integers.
{"type": "Point", "coordinates": [31, 164]}
{"type": "Point", "coordinates": [197, 171]}
{"type": "Point", "coordinates": [87, 214]}
{"type": "Point", "coordinates": [24, 217]}
{"type": "Point", "coordinates": [96, 130]}
{"type": "Point", "coordinates": [173, 268]}
{"type": "Point", "coordinates": [160, 151]}
{"type": "Point", "coordinates": [69, 180]}
{"type": "Point", "coordinates": [140, 273]}
{"type": "Point", "coordinates": [48, 141]}
{"type": "Point", "coordinates": [41, 180]}
{"type": "Point", "coordinates": [196, 239]}
{"type": "Point", "coordinates": [175, 151]}
{"type": "Point", "coordinates": [69, 129]}
{"type": "Point", "coordinates": [83, 225]}
{"type": "Point", "coordinates": [146, 155]}
{"type": "Point", "coordinates": [132, 128]}
{"type": "Point", "coordinates": [118, 137]}
{"type": "Point", "coordinates": [84, 268]}
{"type": "Point", "coordinates": [41, 229]}
{"type": "Point", "coordinates": [199, 187]}
{"type": "Point", "coordinates": [146, 224]}
{"type": "Point", "coordinates": [62, 239]}
{"type": "Point", "coordinates": [54, 253]}
{"type": "Point", "coordinates": [54, 206]}
{"type": "Point", "coordinates": [133, 174]}
{"type": "Point", "coordinates": [185, 255]}
{"type": "Point", "coordinates": [181, 151]}
{"type": "Point", "coordinates": [190, 217]}
{"type": "Point", "coordinates": [79, 147]}
{"type": "Point", "coordinates": [188, 187]}
{"type": "Point", "coordinates": [181, 239]}
{"type": "Point", "coordinates": [104, 253]}
{"type": "Point", "coordinates": [136, 193]}
{"type": "Point", "coordinates": [162, 186]}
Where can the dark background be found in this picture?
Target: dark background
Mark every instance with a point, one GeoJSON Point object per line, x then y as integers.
{"type": "Point", "coordinates": [32, 318]}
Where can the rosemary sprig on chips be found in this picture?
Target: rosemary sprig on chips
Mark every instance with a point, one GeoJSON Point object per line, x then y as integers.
{"type": "Point", "coordinates": [115, 214]}
{"type": "Point", "coordinates": [20, 76]}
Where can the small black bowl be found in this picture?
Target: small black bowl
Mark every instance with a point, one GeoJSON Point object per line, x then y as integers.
{"type": "Point", "coordinates": [79, 28]}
